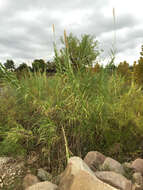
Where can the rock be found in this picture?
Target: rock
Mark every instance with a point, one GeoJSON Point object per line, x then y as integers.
{"type": "Point", "coordinates": [5, 160]}
{"type": "Point", "coordinates": [128, 170]}
{"type": "Point", "coordinates": [112, 165]}
{"type": "Point", "coordinates": [136, 187]}
{"type": "Point", "coordinates": [10, 170]}
{"type": "Point", "coordinates": [137, 165]}
{"type": "Point", "coordinates": [94, 159]}
{"type": "Point", "coordinates": [138, 179]}
{"type": "Point", "coordinates": [44, 175]}
{"type": "Point", "coordinates": [114, 179]}
{"type": "Point", "coordinates": [43, 186]}
{"type": "Point", "coordinates": [29, 180]}
{"type": "Point", "coordinates": [56, 179]}
{"type": "Point", "coordinates": [127, 165]}
{"type": "Point", "coordinates": [78, 176]}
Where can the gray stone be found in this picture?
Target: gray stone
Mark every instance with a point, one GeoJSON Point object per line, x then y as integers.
{"type": "Point", "coordinates": [127, 165]}
{"type": "Point", "coordinates": [44, 175]}
{"type": "Point", "coordinates": [94, 159]}
{"type": "Point", "coordinates": [137, 165]}
{"type": "Point", "coordinates": [112, 165]}
{"type": "Point", "coordinates": [114, 179]}
{"type": "Point", "coordinates": [29, 180]}
{"type": "Point", "coordinates": [138, 179]}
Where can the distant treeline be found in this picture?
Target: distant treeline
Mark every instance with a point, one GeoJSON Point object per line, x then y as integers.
{"type": "Point", "coordinates": [37, 65]}
{"type": "Point", "coordinates": [125, 69]}
{"type": "Point", "coordinates": [81, 53]}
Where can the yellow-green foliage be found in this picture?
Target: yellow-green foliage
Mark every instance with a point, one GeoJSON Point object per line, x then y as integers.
{"type": "Point", "coordinates": [123, 69]}
{"type": "Point", "coordinates": [97, 68]}
{"type": "Point", "coordinates": [95, 110]}
{"type": "Point", "coordinates": [132, 73]}
{"type": "Point", "coordinates": [138, 72]}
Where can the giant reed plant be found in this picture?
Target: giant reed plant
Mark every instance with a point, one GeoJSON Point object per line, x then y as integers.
{"type": "Point", "coordinates": [95, 110]}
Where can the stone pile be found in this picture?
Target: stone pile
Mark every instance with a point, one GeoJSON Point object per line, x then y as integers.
{"type": "Point", "coordinates": [95, 172]}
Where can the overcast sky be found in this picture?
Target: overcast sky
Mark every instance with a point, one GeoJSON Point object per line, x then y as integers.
{"type": "Point", "coordinates": [26, 26]}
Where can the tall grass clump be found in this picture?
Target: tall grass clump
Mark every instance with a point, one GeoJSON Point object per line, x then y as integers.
{"type": "Point", "coordinates": [69, 113]}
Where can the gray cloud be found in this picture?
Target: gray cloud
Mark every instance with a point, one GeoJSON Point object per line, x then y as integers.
{"type": "Point", "coordinates": [26, 26]}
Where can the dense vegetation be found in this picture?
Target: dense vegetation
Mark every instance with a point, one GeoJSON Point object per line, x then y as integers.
{"type": "Point", "coordinates": [97, 108]}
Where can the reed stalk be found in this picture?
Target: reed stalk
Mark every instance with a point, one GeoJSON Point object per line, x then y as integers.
{"type": "Point", "coordinates": [66, 144]}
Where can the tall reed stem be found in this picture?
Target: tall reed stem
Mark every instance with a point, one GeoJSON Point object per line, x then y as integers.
{"type": "Point", "coordinates": [66, 145]}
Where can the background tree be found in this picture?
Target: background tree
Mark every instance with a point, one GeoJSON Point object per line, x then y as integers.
{"type": "Point", "coordinates": [141, 53]}
{"type": "Point", "coordinates": [82, 52]}
{"type": "Point", "coordinates": [96, 68]}
{"type": "Point", "coordinates": [110, 68]}
{"type": "Point", "coordinates": [124, 70]}
{"type": "Point", "coordinates": [9, 64]}
{"type": "Point", "coordinates": [51, 67]}
{"type": "Point", "coordinates": [0, 73]}
{"type": "Point", "coordinates": [138, 69]}
{"type": "Point", "coordinates": [22, 67]}
{"type": "Point", "coordinates": [22, 70]}
{"type": "Point", "coordinates": [39, 65]}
